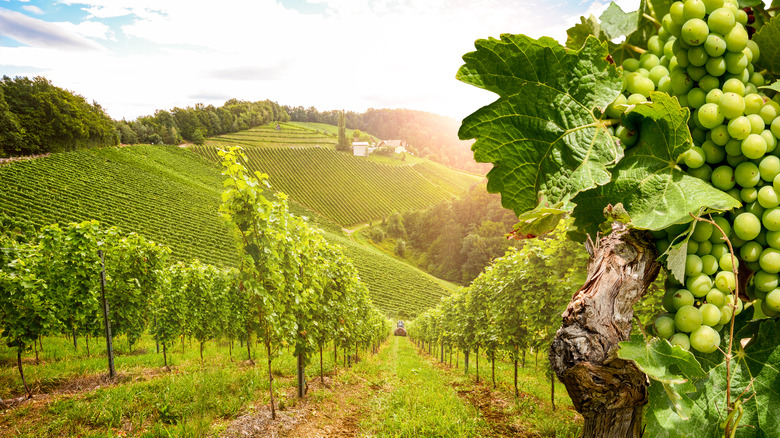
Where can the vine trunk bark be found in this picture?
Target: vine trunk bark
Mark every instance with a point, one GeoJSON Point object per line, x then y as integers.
{"type": "Point", "coordinates": [607, 391]}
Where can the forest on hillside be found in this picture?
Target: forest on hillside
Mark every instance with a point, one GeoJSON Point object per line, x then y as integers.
{"type": "Point", "coordinates": [454, 240]}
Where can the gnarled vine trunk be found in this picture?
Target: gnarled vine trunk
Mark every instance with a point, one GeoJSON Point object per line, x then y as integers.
{"type": "Point", "coordinates": [607, 391]}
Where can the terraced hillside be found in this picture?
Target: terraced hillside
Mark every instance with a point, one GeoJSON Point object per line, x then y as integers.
{"type": "Point", "coordinates": [289, 135]}
{"type": "Point", "coordinates": [171, 195]}
{"type": "Point", "coordinates": [348, 189]}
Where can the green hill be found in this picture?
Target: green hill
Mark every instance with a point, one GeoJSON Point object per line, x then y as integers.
{"type": "Point", "coordinates": [268, 136]}
{"type": "Point", "coordinates": [350, 190]}
{"type": "Point", "coordinates": [171, 195]}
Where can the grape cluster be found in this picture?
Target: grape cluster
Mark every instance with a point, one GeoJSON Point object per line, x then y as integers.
{"type": "Point", "coordinates": [703, 55]}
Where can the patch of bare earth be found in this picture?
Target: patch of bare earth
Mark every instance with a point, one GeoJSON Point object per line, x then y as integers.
{"type": "Point", "coordinates": [328, 410]}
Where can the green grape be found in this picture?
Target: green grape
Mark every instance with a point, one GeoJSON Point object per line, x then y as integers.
{"type": "Point", "coordinates": [772, 300]}
{"type": "Point", "coordinates": [657, 73]}
{"type": "Point", "coordinates": [630, 64]}
{"type": "Point", "coordinates": [704, 249]}
{"type": "Point", "coordinates": [769, 138]}
{"type": "Point", "coordinates": [755, 208]}
{"type": "Point", "coordinates": [748, 194]}
{"type": "Point", "coordinates": [727, 262]}
{"type": "Point", "coordinates": [742, 17]}
{"type": "Point", "coordinates": [739, 128]}
{"type": "Point", "coordinates": [753, 104]}
{"type": "Point", "coordinates": [705, 339]}
{"type": "Point", "coordinates": [754, 49]}
{"type": "Point", "coordinates": [693, 265]}
{"type": "Point", "coordinates": [769, 168]}
{"type": "Point", "coordinates": [765, 281]}
{"type": "Point", "coordinates": [681, 340]}
{"type": "Point", "coordinates": [747, 226]}
{"type": "Point", "coordinates": [769, 261]}
{"type": "Point", "coordinates": [731, 105]}
{"type": "Point", "coordinates": [733, 148]}
{"type": "Point", "coordinates": [687, 319]}
{"type": "Point", "coordinates": [626, 137]}
{"type": "Point", "coordinates": [640, 85]}
{"type": "Point", "coordinates": [710, 115]}
{"type": "Point", "coordinates": [693, 247]}
{"type": "Point", "coordinates": [648, 60]}
{"type": "Point", "coordinates": [716, 66]}
{"type": "Point", "coordinates": [723, 177]}
{"type": "Point", "coordinates": [769, 311]}
{"type": "Point", "coordinates": [636, 99]}
{"type": "Point", "coordinates": [681, 298]}
{"type": "Point", "coordinates": [715, 45]}
{"type": "Point", "coordinates": [698, 284]}
{"type": "Point", "coordinates": [750, 251]}
{"type": "Point", "coordinates": [703, 173]}
{"type": "Point", "coordinates": [775, 126]}
{"type": "Point", "coordinates": [718, 250]}
{"type": "Point", "coordinates": [734, 193]}
{"type": "Point", "coordinates": [702, 231]}
{"type": "Point", "coordinates": [694, 157]}
{"type": "Point", "coordinates": [739, 304]}
{"type": "Point", "coordinates": [721, 21]}
{"type": "Point", "coordinates": [696, 73]}
{"type": "Point", "coordinates": [681, 83]}
{"type": "Point", "coordinates": [724, 281]}
{"type": "Point", "coordinates": [716, 297]}
{"type": "Point", "coordinates": [667, 300]}
{"type": "Point", "coordinates": [697, 56]}
{"type": "Point", "coordinates": [734, 86]}
{"type": "Point", "coordinates": [772, 239]}
{"type": "Point", "coordinates": [769, 112]}
{"type": "Point", "coordinates": [756, 124]}
{"type": "Point", "coordinates": [712, 5]}
{"type": "Point", "coordinates": [655, 46]}
{"type": "Point", "coordinates": [665, 85]}
{"type": "Point", "coordinates": [736, 38]}
{"type": "Point", "coordinates": [767, 197]}
{"type": "Point", "coordinates": [717, 235]}
{"type": "Point", "coordinates": [746, 174]}
{"type": "Point", "coordinates": [696, 97]}
{"type": "Point", "coordinates": [662, 245]}
{"type": "Point", "coordinates": [756, 78]}
{"type": "Point", "coordinates": [710, 314]}
{"type": "Point", "coordinates": [616, 108]}
{"type": "Point", "coordinates": [664, 326]}
{"type": "Point", "coordinates": [709, 264]}
{"type": "Point", "coordinates": [754, 146]}
{"type": "Point", "coordinates": [720, 135]}
{"type": "Point", "coordinates": [726, 313]}
{"type": "Point", "coordinates": [694, 9]}
{"type": "Point", "coordinates": [699, 135]}
{"type": "Point", "coordinates": [713, 96]}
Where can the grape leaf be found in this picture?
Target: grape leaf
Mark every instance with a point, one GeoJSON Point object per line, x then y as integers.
{"type": "Point", "coordinates": [755, 375]}
{"type": "Point", "coordinates": [577, 34]}
{"type": "Point", "coordinates": [542, 135]}
{"type": "Point", "coordinates": [617, 23]}
{"type": "Point", "coordinates": [767, 38]}
{"type": "Point", "coordinates": [655, 192]}
{"type": "Point", "coordinates": [749, 3]}
{"type": "Point", "coordinates": [774, 86]}
{"type": "Point", "coordinates": [675, 370]}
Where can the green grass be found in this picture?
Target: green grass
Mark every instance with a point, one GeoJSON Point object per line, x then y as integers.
{"type": "Point", "coordinates": [532, 410]}
{"type": "Point", "coordinates": [290, 135]}
{"type": "Point", "coordinates": [415, 400]}
{"type": "Point", "coordinates": [190, 400]}
{"type": "Point", "coordinates": [347, 189]}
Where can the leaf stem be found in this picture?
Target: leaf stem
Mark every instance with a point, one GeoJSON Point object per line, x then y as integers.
{"type": "Point", "coordinates": [634, 48]}
{"type": "Point", "coordinates": [652, 19]}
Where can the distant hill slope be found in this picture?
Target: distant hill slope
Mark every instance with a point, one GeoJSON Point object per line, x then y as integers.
{"type": "Point", "coordinates": [171, 195]}
{"type": "Point", "coordinates": [346, 189]}
{"type": "Point", "coordinates": [267, 135]}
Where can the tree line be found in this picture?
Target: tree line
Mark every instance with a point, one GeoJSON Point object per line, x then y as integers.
{"type": "Point", "coordinates": [36, 117]}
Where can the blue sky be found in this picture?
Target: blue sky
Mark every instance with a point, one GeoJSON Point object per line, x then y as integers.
{"type": "Point", "coordinates": [134, 57]}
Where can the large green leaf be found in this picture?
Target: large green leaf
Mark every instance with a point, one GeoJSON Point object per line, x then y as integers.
{"type": "Point", "coordinates": [617, 23]}
{"type": "Point", "coordinates": [670, 367]}
{"type": "Point", "coordinates": [767, 38]}
{"type": "Point", "coordinates": [755, 378]}
{"type": "Point", "coordinates": [649, 184]}
{"type": "Point", "coordinates": [543, 135]}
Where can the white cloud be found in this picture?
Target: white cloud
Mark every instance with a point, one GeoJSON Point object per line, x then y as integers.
{"type": "Point", "coordinates": [40, 33]}
{"type": "Point", "coordinates": [34, 9]}
{"type": "Point", "coordinates": [351, 57]}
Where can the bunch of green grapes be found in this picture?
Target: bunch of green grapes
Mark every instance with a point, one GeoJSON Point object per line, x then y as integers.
{"type": "Point", "coordinates": [703, 55]}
